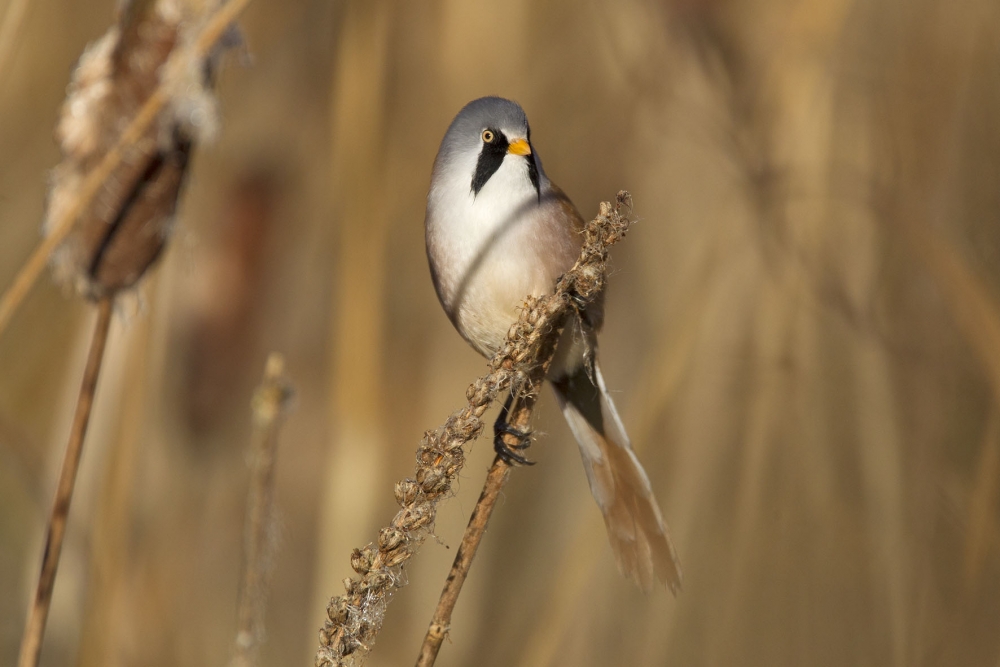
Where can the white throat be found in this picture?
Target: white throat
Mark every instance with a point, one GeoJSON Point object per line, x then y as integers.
{"type": "Point", "coordinates": [462, 225]}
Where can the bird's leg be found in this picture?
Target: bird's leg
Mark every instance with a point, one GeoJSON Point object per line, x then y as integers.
{"type": "Point", "coordinates": [500, 428]}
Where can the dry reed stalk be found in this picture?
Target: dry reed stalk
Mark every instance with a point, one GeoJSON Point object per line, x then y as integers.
{"type": "Point", "coordinates": [982, 519]}
{"type": "Point", "coordinates": [359, 116]}
{"type": "Point", "coordinates": [354, 619]}
{"type": "Point", "coordinates": [181, 60]}
{"type": "Point", "coordinates": [34, 629]}
{"type": "Point", "coordinates": [270, 405]}
{"type": "Point", "coordinates": [110, 535]}
{"type": "Point", "coordinates": [974, 308]}
{"type": "Point", "coordinates": [973, 305]}
{"type": "Point", "coordinates": [13, 19]}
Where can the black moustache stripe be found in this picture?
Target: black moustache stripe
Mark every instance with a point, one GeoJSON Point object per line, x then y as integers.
{"type": "Point", "coordinates": [533, 175]}
{"type": "Point", "coordinates": [490, 159]}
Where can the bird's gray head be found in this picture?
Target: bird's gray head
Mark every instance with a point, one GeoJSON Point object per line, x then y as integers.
{"type": "Point", "coordinates": [483, 134]}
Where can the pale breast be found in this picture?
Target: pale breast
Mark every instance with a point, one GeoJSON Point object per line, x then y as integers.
{"type": "Point", "coordinates": [484, 269]}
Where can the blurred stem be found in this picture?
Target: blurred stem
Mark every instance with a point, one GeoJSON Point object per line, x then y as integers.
{"type": "Point", "coordinates": [270, 404]}
{"type": "Point", "coordinates": [31, 644]}
{"type": "Point", "coordinates": [355, 466]}
{"type": "Point", "coordinates": [982, 500]}
{"type": "Point", "coordinates": [13, 19]}
{"type": "Point", "coordinates": [108, 579]}
{"type": "Point", "coordinates": [972, 303]}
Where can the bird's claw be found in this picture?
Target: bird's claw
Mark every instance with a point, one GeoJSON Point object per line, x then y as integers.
{"type": "Point", "coordinates": [507, 452]}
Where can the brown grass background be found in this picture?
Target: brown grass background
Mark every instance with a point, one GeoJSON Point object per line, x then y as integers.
{"type": "Point", "coordinates": [803, 335]}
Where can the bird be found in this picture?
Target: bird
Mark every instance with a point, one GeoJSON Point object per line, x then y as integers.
{"type": "Point", "coordinates": [497, 230]}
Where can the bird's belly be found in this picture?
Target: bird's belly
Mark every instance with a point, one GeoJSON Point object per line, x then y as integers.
{"type": "Point", "coordinates": [489, 254]}
{"type": "Point", "coordinates": [496, 292]}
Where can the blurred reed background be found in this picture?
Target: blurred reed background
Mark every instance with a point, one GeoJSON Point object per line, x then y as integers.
{"type": "Point", "coordinates": [803, 333]}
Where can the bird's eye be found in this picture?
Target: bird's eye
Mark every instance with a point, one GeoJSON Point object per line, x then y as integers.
{"type": "Point", "coordinates": [488, 136]}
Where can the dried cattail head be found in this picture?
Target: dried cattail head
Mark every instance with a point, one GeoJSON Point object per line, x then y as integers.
{"type": "Point", "coordinates": [125, 227]}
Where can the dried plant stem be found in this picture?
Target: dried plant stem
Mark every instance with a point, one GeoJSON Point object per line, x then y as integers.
{"type": "Point", "coordinates": [34, 629]}
{"type": "Point", "coordinates": [209, 34]}
{"type": "Point", "coordinates": [354, 619]}
{"type": "Point", "coordinates": [441, 621]}
{"type": "Point", "coordinates": [13, 19]}
{"type": "Point", "coordinates": [110, 532]}
{"type": "Point", "coordinates": [495, 480]}
{"type": "Point", "coordinates": [270, 404]}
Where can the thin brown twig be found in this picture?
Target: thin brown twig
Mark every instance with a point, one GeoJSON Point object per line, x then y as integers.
{"type": "Point", "coordinates": [354, 619]}
{"type": "Point", "coordinates": [441, 621]}
{"type": "Point", "coordinates": [34, 629]}
{"type": "Point", "coordinates": [26, 277]}
{"type": "Point", "coordinates": [270, 405]}
{"type": "Point", "coordinates": [497, 476]}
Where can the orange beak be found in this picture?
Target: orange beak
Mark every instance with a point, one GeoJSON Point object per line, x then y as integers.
{"type": "Point", "coordinates": [519, 147]}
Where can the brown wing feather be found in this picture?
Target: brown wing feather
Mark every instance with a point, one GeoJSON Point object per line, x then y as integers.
{"type": "Point", "coordinates": [573, 220]}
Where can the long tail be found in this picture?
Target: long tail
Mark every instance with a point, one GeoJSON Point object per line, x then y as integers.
{"type": "Point", "coordinates": [636, 529]}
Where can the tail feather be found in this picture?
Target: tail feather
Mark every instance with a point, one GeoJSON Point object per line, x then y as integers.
{"type": "Point", "coordinates": [638, 534]}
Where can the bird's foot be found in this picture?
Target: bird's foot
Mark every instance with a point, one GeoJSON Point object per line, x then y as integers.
{"type": "Point", "coordinates": [509, 452]}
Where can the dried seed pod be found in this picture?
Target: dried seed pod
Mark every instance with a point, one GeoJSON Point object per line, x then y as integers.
{"type": "Point", "coordinates": [431, 480]}
{"type": "Point", "coordinates": [389, 539]}
{"type": "Point", "coordinates": [124, 229]}
{"type": "Point", "coordinates": [381, 580]}
{"type": "Point", "coordinates": [358, 563]}
{"type": "Point", "coordinates": [396, 557]}
{"type": "Point", "coordinates": [418, 520]}
{"type": "Point", "coordinates": [407, 492]}
{"type": "Point", "coordinates": [337, 613]}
